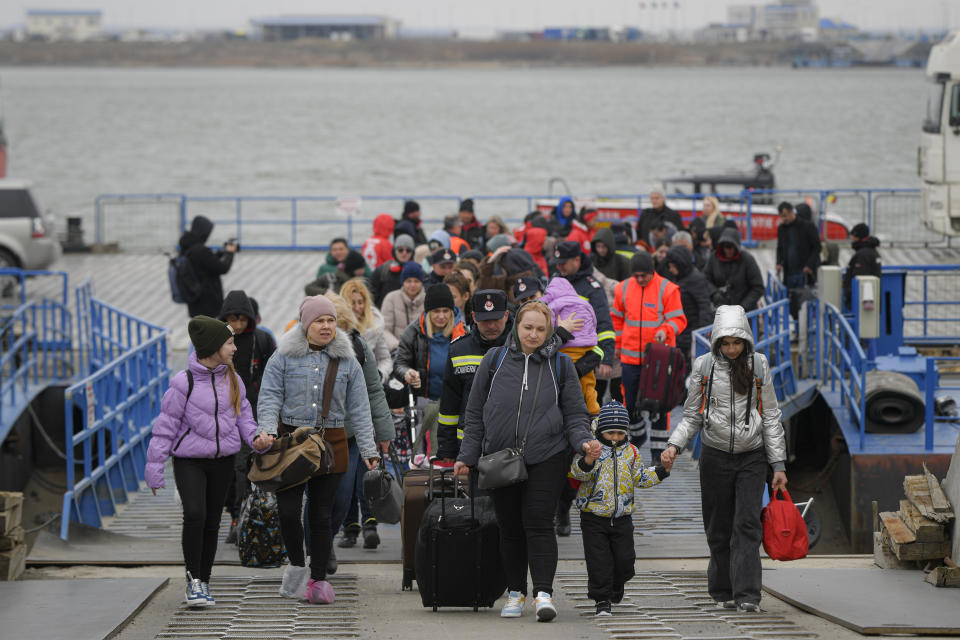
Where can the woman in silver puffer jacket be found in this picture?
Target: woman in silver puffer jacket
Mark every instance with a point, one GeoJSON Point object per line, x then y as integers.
{"type": "Point", "coordinates": [731, 402]}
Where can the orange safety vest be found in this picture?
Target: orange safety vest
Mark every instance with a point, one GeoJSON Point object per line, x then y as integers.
{"type": "Point", "coordinates": [639, 312]}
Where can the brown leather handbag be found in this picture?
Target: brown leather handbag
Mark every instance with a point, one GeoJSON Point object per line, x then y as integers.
{"type": "Point", "coordinates": [296, 457]}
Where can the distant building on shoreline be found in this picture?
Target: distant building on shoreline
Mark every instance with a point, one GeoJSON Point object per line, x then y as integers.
{"type": "Point", "coordinates": [325, 27]}
{"type": "Point", "coordinates": [52, 24]}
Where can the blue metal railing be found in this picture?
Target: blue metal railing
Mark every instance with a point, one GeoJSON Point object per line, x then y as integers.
{"type": "Point", "coordinates": [930, 396]}
{"type": "Point", "coordinates": [844, 364]}
{"type": "Point", "coordinates": [107, 332]}
{"type": "Point", "coordinates": [109, 413]}
{"type": "Point", "coordinates": [35, 347]}
{"type": "Point", "coordinates": [776, 290]}
{"type": "Point", "coordinates": [291, 219]}
{"type": "Point", "coordinates": [24, 278]}
{"type": "Point", "coordinates": [931, 302]}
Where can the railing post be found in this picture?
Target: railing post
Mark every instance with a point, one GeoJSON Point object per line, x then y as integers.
{"type": "Point", "coordinates": [239, 220]}
{"type": "Point", "coordinates": [929, 404]}
{"type": "Point", "coordinates": [293, 222]}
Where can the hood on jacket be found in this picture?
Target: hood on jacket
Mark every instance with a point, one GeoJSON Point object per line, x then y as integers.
{"type": "Point", "coordinates": [728, 236]}
{"type": "Point", "coordinates": [681, 257]}
{"type": "Point", "coordinates": [533, 239]}
{"type": "Point", "coordinates": [405, 227]}
{"type": "Point", "coordinates": [442, 237]}
{"type": "Point", "coordinates": [293, 344]}
{"type": "Point", "coordinates": [383, 226]}
{"type": "Point", "coordinates": [238, 303]}
{"type": "Point", "coordinates": [730, 322]}
{"type": "Point", "coordinates": [866, 243]}
{"type": "Point", "coordinates": [566, 221]}
{"type": "Point", "coordinates": [557, 290]}
{"type": "Point", "coordinates": [457, 320]}
{"type": "Point", "coordinates": [603, 236]}
{"type": "Point", "coordinates": [200, 229]}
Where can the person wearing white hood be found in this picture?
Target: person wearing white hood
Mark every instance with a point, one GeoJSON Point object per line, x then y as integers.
{"type": "Point", "coordinates": [732, 403]}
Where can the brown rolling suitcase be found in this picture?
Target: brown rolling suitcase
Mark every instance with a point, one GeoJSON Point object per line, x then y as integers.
{"type": "Point", "coordinates": [415, 482]}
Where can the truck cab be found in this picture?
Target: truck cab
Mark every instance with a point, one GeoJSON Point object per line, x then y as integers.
{"type": "Point", "coordinates": [938, 158]}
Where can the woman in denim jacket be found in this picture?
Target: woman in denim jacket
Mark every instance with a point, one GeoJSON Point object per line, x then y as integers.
{"type": "Point", "coordinates": [291, 396]}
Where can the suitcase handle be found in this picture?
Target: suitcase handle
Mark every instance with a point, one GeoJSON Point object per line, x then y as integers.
{"type": "Point", "coordinates": [443, 503]}
{"type": "Point", "coordinates": [395, 459]}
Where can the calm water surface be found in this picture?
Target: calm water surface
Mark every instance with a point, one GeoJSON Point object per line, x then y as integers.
{"type": "Point", "coordinates": [77, 133]}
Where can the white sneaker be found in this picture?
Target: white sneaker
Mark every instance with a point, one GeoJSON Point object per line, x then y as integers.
{"type": "Point", "coordinates": [193, 594]}
{"type": "Point", "coordinates": [546, 611]}
{"type": "Point", "coordinates": [294, 581]}
{"type": "Point", "coordinates": [513, 607]}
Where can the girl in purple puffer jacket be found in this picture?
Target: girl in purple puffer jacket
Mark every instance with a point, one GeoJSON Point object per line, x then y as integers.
{"type": "Point", "coordinates": [564, 302]}
{"type": "Point", "coordinates": [203, 416]}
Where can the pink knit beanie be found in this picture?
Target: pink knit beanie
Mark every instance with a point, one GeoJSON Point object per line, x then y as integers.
{"type": "Point", "coordinates": [313, 307]}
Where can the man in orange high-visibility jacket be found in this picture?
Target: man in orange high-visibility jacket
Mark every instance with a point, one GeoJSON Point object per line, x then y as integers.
{"type": "Point", "coordinates": [646, 308]}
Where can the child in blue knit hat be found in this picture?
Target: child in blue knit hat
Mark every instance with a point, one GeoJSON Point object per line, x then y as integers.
{"type": "Point", "coordinates": [605, 501]}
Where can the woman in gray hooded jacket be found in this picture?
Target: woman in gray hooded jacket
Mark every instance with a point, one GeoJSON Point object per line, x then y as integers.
{"type": "Point", "coordinates": [527, 384]}
{"type": "Point", "coordinates": [731, 402]}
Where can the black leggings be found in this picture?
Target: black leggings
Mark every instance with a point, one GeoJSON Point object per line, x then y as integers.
{"type": "Point", "coordinates": [320, 498]}
{"type": "Point", "coordinates": [616, 393]}
{"type": "Point", "coordinates": [202, 483]}
{"type": "Point", "coordinates": [525, 513]}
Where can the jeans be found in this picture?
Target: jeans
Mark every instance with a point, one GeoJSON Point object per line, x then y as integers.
{"type": "Point", "coordinates": [731, 487]}
{"type": "Point", "coordinates": [658, 428]}
{"type": "Point", "coordinates": [350, 490]}
{"type": "Point", "coordinates": [525, 513]}
{"type": "Point", "coordinates": [795, 281]}
{"type": "Point", "coordinates": [608, 550]}
{"type": "Point", "coordinates": [202, 483]}
{"type": "Point", "coordinates": [321, 491]}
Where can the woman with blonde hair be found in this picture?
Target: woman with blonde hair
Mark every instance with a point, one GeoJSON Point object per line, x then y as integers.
{"type": "Point", "coordinates": [536, 405]}
{"type": "Point", "coordinates": [369, 322]}
{"type": "Point", "coordinates": [345, 510]}
{"type": "Point", "coordinates": [203, 417]}
{"type": "Point", "coordinates": [422, 354]}
{"type": "Point", "coordinates": [711, 213]}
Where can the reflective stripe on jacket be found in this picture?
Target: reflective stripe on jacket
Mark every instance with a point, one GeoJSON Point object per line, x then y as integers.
{"type": "Point", "coordinates": [639, 312]}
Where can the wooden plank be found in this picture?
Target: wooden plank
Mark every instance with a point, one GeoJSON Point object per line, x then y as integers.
{"type": "Point", "coordinates": [9, 499]}
{"type": "Point", "coordinates": [937, 497]}
{"type": "Point", "coordinates": [921, 550]}
{"type": "Point", "coordinates": [917, 490]}
{"type": "Point", "coordinates": [899, 532]}
{"type": "Point", "coordinates": [12, 539]}
{"type": "Point", "coordinates": [925, 529]}
{"type": "Point", "coordinates": [12, 562]}
{"type": "Point", "coordinates": [944, 577]}
{"type": "Point", "coordinates": [884, 557]}
{"type": "Point", "coordinates": [10, 518]}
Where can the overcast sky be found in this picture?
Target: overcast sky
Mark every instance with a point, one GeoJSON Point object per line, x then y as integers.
{"type": "Point", "coordinates": [500, 14]}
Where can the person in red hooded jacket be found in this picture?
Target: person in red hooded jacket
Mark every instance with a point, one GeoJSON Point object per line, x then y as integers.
{"type": "Point", "coordinates": [378, 249]}
{"type": "Point", "coordinates": [584, 227]}
{"type": "Point", "coordinates": [532, 237]}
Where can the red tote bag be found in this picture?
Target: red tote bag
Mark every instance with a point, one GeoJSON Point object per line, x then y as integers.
{"type": "Point", "coordinates": [784, 530]}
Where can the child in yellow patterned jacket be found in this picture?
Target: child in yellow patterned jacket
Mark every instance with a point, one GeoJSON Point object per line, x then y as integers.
{"type": "Point", "coordinates": [605, 501]}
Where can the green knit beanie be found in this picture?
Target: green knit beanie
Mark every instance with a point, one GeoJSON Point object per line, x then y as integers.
{"type": "Point", "coordinates": [208, 335]}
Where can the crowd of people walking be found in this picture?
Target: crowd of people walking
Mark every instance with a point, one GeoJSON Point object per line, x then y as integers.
{"type": "Point", "coordinates": [531, 338]}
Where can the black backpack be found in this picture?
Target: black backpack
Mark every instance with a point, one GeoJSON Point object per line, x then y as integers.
{"type": "Point", "coordinates": [184, 285]}
{"type": "Point", "coordinates": [258, 538]}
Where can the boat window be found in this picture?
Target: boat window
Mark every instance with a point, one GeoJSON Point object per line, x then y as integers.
{"type": "Point", "coordinates": [931, 120]}
{"type": "Point", "coordinates": [955, 106]}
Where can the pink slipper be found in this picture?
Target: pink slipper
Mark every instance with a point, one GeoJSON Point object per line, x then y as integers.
{"type": "Point", "coordinates": [320, 592]}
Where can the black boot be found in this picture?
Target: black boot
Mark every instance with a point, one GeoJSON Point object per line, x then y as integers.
{"type": "Point", "coordinates": [331, 561]}
{"type": "Point", "coordinates": [350, 534]}
{"type": "Point", "coordinates": [371, 539]}
{"type": "Point", "coordinates": [563, 520]}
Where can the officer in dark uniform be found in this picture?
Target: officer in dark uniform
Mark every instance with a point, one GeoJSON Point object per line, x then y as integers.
{"type": "Point", "coordinates": [572, 264]}
{"type": "Point", "coordinates": [524, 288]}
{"type": "Point", "coordinates": [492, 325]}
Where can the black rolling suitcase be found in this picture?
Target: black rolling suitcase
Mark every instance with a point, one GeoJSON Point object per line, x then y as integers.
{"type": "Point", "coordinates": [458, 552]}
